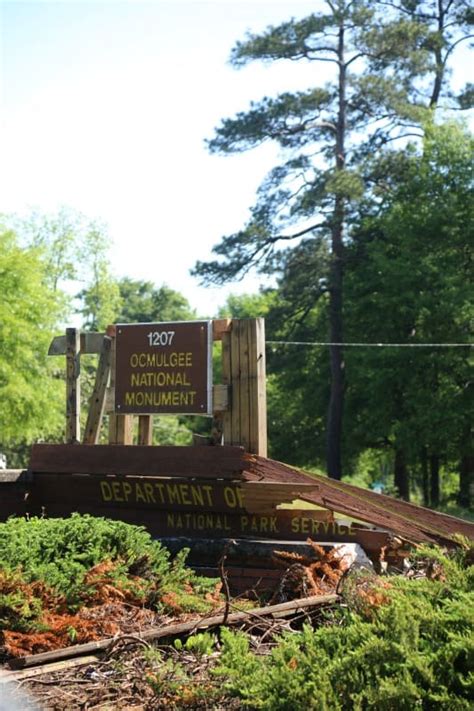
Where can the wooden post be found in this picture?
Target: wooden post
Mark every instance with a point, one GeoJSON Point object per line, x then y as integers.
{"type": "Point", "coordinates": [257, 387]}
{"type": "Point", "coordinates": [97, 401]}
{"type": "Point", "coordinates": [243, 366]}
{"type": "Point", "coordinates": [73, 385]}
{"type": "Point", "coordinates": [227, 381]}
{"type": "Point", "coordinates": [120, 426]}
{"type": "Point", "coordinates": [123, 429]}
{"type": "Point", "coordinates": [145, 429]}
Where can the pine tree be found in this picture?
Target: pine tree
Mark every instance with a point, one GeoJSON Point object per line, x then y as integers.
{"type": "Point", "coordinates": [379, 56]}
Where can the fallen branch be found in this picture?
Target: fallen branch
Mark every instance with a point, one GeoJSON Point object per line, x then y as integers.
{"type": "Point", "coordinates": [283, 609]}
{"type": "Point", "coordinates": [7, 677]}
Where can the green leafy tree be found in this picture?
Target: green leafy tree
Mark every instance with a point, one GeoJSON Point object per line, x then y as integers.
{"type": "Point", "coordinates": [101, 300]}
{"type": "Point", "coordinates": [75, 249]}
{"type": "Point", "coordinates": [58, 236]}
{"type": "Point", "coordinates": [445, 26]}
{"type": "Point", "coordinates": [381, 59]}
{"type": "Point", "coordinates": [143, 302]}
{"type": "Point", "coordinates": [249, 305]}
{"type": "Point", "coordinates": [409, 280]}
{"type": "Point", "coordinates": [31, 398]}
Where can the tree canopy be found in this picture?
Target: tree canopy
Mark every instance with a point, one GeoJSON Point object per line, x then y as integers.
{"type": "Point", "coordinates": [31, 395]}
{"type": "Point", "coordinates": [142, 301]}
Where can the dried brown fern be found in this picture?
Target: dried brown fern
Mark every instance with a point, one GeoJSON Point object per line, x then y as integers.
{"type": "Point", "coordinates": [315, 575]}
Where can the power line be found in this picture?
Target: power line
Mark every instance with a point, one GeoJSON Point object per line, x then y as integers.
{"type": "Point", "coordinates": [370, 345]}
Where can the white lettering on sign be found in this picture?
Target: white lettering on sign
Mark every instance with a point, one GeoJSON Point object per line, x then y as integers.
{"type": "Point", "coordinates": [160, 338]}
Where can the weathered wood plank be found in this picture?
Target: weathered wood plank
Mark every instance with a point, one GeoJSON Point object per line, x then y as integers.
{"type": "Point", "coordinates": [227, 381]}
{"type": "Point", "coordinates": [243, 332]}
{"type": "Point", "coordinates": [90, 343]}
{"type": "Point", "coordinates": [257, 388]}
{"type": "Point", "coordinates": [414, 523]}
{"type": "Point", "coordinates": [220, 398]}
{"type": "Point", "coordinates": [120, 426]}
{"type": "Point", "coordinates": [97, 400]}
{"type": "Point", "coordinates": [145, 430]}
{"type": "Point", "coordinates": [235, 382]}
{"type": "Point", "coordinates": [266, 496]}
{"type": "Point", "coordinates": [162, 494]}
{"type": "Point", "coordinates": [110, 394]}
{"type": "Point", "coordinates": [124, 429]}
{"type": "Point", "coordinates": [280, 525]}
{"type": "Point", "coordinates": [48, 668]}
{"type": "Point", "coordinates": [176, 630]}
{"type": "Point", "coordinates": [73, 386]}
{"type": "Point", "coordinates": [14, 475]}
{"type": "Point", "coordinates": [219, 327]}
{"type": "Point", "coordinates": [223, 462]}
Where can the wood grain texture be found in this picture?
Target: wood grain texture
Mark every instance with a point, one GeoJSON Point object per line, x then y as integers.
{"type": "Point", "coordinates": [159, 493]}
{"type": "Point", "coordinates": [257, 388]}
{"type": "Point", "coordinates": [90, 342]}
{"type": "Point", "coordinates": [244, 382]}
{"type": "Point", "coordinates": [227, 380]}
{"type": "Point", "coordinates": [73, 385]}
{"type": "Point", "coordinates": [120, 426]}
{"type": "Point", "coordinates": [145, 430]}
{"type": "Point", "coordinates": [415, 523]}
{"type": "Point", "coordinates": [222, 462]}
{"type": "Point", "coordinates": [236, 437]}
{"type": "Point", "coordinates": [97, 400]}
{"type": "Point", "coordinates": [219, 327]}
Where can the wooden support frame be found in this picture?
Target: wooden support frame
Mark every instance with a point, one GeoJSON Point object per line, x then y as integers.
{"type": "Point", "coordinates": [145, 430]}
{"type": "Point", "coordinates": [97, 403]}
{"type": "Point", "coordinates": [244, 371]}
{"type": "Point", "coordinates": [73, 385]}
{"type": "Point", "coordinates": [239, 401]}
{"type": "Point", "coordinates": [120, 426]}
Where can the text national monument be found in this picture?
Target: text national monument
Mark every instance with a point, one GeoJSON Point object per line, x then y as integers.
{"type": "Point", "coordinates": [164, 368]}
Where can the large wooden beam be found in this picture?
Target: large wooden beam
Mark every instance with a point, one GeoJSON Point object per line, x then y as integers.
{"type": "Point", "coordinates": [243, 370]}
{"type": "Point", "coordinates": [97, 401]}
{"type": "Point", "coordinates": [120, 426]}
{"type": "Point", "coordinates": [161, 494]}
{"type": "Point", "coordinates": [257, 388]}
{"type": "Point", "coordinates": [412, 522]}
{"type": "Point", "coordinates": [73, 386]}
{"type": "Point", "coordinates": [219, 327]}
{"type": "Point", "coordinates": [90, 343]}
{"type": "Point", "coordinates": [221, 462]}
{"type": "Point", "coordinates": [145, 430]}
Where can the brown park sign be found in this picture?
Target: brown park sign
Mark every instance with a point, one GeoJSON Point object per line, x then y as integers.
{"type": "Point", "coordinates": [164, 368]}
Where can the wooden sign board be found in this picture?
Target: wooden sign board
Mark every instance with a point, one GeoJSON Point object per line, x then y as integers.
{"type": "Point", "coordinates": [187, 507]}
{"type": "Point", "coordinates": [163, 493]}
{"type": "Point", "coordinates": [164, 368]}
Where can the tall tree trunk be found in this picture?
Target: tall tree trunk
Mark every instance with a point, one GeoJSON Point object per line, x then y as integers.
{"type": "Point", "coordinates": [438, 56]}
{"type": "Point", "coordinates": [425, 477]}
{"type": "Point", "coordinates": [434, 480]}
{"type": "Point", "coordinates": [466, 478]}
{"type": "Point", "coordinates": [336, 401]}
{"type": "Point", "coordinates": [401, 475]}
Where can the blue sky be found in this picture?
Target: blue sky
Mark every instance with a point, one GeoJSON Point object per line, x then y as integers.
{"type": "Point", "coordinates": [105, 108]}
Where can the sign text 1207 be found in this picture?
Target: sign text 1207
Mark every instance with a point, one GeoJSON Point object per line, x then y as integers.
{"type": "Point", "coordinates": [160, 338]}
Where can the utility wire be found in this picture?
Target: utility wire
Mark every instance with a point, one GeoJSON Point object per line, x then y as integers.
{"type": "Point", "coordinates": [370, 345]}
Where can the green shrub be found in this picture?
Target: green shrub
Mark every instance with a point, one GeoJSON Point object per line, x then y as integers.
{"type": "Point", "coordinates": [414, 650]}
{"type": "Point", "coordinates": [59, 554]}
